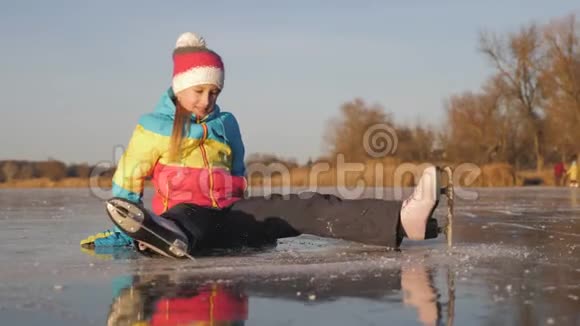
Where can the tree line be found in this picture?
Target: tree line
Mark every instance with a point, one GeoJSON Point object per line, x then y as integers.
{"type": "Point", "coordinates": [51, 169]}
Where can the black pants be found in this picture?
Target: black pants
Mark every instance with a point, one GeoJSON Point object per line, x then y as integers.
{"type": "Point", "coordinates": [260, 221]}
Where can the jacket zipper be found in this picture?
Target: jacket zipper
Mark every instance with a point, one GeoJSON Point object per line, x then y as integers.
{"type": "Point", "coordinates": [208, 167]}
{"type": "Point", "coordinates": [212, 304]}
{"type": "Point", "coordinates": [165, 197]}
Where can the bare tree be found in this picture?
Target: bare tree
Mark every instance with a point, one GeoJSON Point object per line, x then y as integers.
{"type": "Point", "coordinates": [27, 170]}
{"type": "Point", "coordinates": [519, 60]}
{"type": "Point", "coordinates": [52, 169]}
{"type": "Point", "coordinates": [344, 134]}
{"type": "Point", "coordinates": [562, 83]}
{"type": "Point", "coordinates": [415, 143]}
{"type": "Point", "coordinates": [267, 158]}
{"type": "Point", "coordinates": [477, 129]}
{"type": "Point", "coordinates": [424, 143]}
{"type": "Point", "coordinates": [9, 169]}
{"type": "Point", "coordinates": [78, 170]}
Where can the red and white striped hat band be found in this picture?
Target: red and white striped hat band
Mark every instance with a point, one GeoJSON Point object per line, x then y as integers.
{"type": "Point", "coordinates": [194, 64]}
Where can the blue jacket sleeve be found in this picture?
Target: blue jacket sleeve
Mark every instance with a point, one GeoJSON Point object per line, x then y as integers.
{"type": "Point", "coordinates": [234, 138]}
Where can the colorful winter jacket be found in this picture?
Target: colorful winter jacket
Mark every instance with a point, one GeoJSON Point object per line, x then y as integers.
{"type": "Point", "coordinates": [210, 171]}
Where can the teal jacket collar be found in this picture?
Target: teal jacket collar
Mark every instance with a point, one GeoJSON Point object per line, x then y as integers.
{"type": "Point", "coordinates": [166, 106]}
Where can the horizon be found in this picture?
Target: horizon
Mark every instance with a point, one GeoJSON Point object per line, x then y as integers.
{"type": "Point", "coordinates": [79, 76]}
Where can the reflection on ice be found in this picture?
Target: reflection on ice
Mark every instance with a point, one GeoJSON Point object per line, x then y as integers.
{"type": "Point", "coordinates": [515, 261]}
{"type": "Point", "coordinates": [186, 299]}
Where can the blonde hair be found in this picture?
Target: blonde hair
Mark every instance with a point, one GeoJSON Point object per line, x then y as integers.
{"type": "Point", "coordinates": [181, 125]}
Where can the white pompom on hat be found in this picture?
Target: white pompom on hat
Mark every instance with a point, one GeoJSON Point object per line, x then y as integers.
{"type": "Point", "coordinates": [189, 39]}
{"type": "Point", "coordinates": [195, 64]}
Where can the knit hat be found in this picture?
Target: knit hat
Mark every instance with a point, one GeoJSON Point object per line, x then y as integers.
{"type": "Point", "coordinates": [195, 64]}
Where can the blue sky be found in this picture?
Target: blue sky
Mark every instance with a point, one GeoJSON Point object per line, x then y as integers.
{"type": "Point", "coordinates": [76, 75]}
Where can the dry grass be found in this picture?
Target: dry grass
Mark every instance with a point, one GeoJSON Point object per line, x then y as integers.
{"type": "Point", "coordinates": [63, 183]}
{"type": "Point", "coordinates": [373, 174]}
{"type": "Point", "coordinates": [496, 175]}
{"type": "Point", "coordinates": [531, 177]}
{"type": "Point", "coordinates": [370, 174]}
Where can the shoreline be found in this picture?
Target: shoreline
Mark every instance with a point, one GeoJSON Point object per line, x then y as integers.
{"type": "Point", "coordinates": [497, 175]}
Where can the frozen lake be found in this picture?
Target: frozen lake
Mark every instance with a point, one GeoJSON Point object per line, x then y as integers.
{"type": "Point", "coordinates": [515, 261]}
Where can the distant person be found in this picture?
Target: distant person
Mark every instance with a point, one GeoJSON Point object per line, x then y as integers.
{"type": "Point", "coordinates": [195, 155]}
{"type": "Point", "coordinates": [572, 172]}
{"type": "Point", "coordinates": [559, 171]}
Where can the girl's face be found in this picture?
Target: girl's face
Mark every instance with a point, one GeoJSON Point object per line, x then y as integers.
{"type": "Point", "coordinates": [199, 99]}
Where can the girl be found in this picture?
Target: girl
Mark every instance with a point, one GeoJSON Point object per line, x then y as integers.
{"type": "Point", "coordinates": [195, 155]}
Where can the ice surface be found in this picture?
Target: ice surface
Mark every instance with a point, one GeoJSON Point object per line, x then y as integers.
{"type": "Point", "coordinates": [515, 261]}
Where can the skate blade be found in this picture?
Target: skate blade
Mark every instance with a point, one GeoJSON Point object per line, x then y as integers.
{"type": "Point", "coordinates": [128, 216]}
{"type": "Point", "coordinates": [145, 245]}
{"type": "Point", "coordinates": [178, 249]}
{"type": "Point", "coordinates": [448, 191]}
